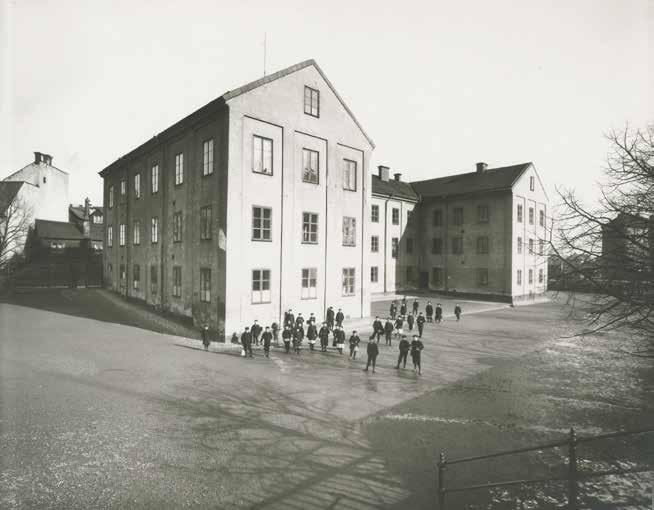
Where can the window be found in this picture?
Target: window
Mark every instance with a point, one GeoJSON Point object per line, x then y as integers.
{"type": "Point", "coordinates": [97, 219]}
{"type": "Point", "coordinates": [457, 246]}
{"type": "Point", "coordinates": [519, 276]}
{"type": "Point", "coordinates": [205, 222]}
{"type": "Point", "coordinates": [177, 281]}
{"type": "Point", "coordinates": [45, 179]}
{"type": "Point", "coordinates": [482, 276]}
{"type": "Point", "coordinates": [531, 215]}
{"type": "Point", "coordinates": [309, 228]}
{"type": "Point", "coordinates": [374, 244]}
{"type": "Point", "coordinates": [394, 246]}
{"type": "Point", "coordinates": [409, 245]}
{"type": "Point", "coordinates": [409, 274]}
{"type": "Point", "coordinates": [123, 275]}
{"type": "Point", "coordinates": [482, 245]}
{"type": "Point", "coordinates": [531, 246]}
{"type": "Point", "coordinates": [261, 223]}
{"type": "Point", "coordinates": [154, 279]}
{"type": "Point", "coordinates": [179, 169]}
{"type": "Point", "coordinates": [137, 186]}
{"type": "Point", "coordinates": [541, 247]}
{"type": "Point", "coordinates": [437, 246]}
{"type": "Point", "coordinates": [205, 285]}
{"type": "Point", "coordinates": [519, 244]}
{"type": "Point", "coordinates": [154, 230]}
{"type": "Point", "coordinates": [111, 197]}
{"type": "Point", "coordinates": [531, 183]}
{"type": "Point", "coordinates": [349, 231]}
{"type": "Point", "coordinates": [519, 213]}
{"type": "Point", "coordinates": [136, 277]}
{"type": "Point", "coordinates": [121, 234]}
{"type": "Point", "coordinates": [136, 232]}
{"type": "Point", "coordinates": [311, 102]}
{"type": "Point", "coordinates": [123, 187]}
{"type": "Point", "coordinates": [438, 218]}
{"type": "Point", "coordinates": [110, 236]}
{"type": "Point", "coordinates": [261, 286]}
{"type": "Point", "coordinates": [409, 216]}
{"type": "Point", "coordinates": [349, 175]}
{"type": "Point", "coordinates": [207, 157]}
{"type": "Point", "coordinates": [482, 214]}
{"type": "Point", "coordinates": [374, 274]}
{"type": "Point", "coordinates": [540, 276]}
{"type": "Point", "coordinates": [309, 283]}
{"type": "Point", "coordinates": [154, 179]}
{"type": "Point", "coordinates": [541, 218]}
{"type": "Point", "coordinates": [348, 281]}
{"type": "Point", "coordinates": [458, 216]}
{"type": "Point", "coordinates": [395, 216]}
{"type": "Point", "coordinates": [531, 276]}
{"type": "Point", "coordinates": [437, 276]}
{"type": "Point", "coordinates": [310, 170]}
{"type": "Point", "coordinates": [262, 157]}
{"type": "Point", "coordinates": [374, 213]}
{"type": "Point", "coordinates": [177, 227]}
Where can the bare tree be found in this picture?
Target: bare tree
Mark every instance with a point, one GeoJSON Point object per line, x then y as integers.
{"type": "Point", "coordinates": [609, 248]}
{"type": "Point", "coordinates": [15, 220]}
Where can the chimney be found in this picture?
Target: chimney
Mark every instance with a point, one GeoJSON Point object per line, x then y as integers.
{"type": "Point", "coordinates": [481, 167]}
{"type": "Point", "coordinates": [47, 159]}
{"type": "Point", "coordinates": [397, 177]}
{"type": "Point", "coordinates": [87, 207]}
{"type": "Point", "coordinates": [37, 157]}
{"type": "Point", "coordinates": [383, 172]}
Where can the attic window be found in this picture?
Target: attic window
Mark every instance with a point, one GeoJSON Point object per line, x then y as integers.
{"type": "Point", "coordinates": [531, 183]}
{"type": "Point", "coordinates": [44, 180]}
{"type": "Point", "coordinates": [311, 102]}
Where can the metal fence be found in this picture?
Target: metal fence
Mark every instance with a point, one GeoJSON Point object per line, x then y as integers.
{"type": "Point", "coordinates": [572, 476]}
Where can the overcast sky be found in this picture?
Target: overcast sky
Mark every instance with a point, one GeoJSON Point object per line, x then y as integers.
{"type": "Point", "coordinates": [437, 85]}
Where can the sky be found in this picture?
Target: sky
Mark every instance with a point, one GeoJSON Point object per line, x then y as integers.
{"type": "Point", "coordinates": [438, 85]}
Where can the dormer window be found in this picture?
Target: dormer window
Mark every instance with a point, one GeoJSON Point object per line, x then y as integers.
{"type": "Point", "coordinates": [311, 102]}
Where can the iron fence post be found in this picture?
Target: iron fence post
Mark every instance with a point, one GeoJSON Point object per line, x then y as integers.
{"type": "Point", "coordinates": [441, 481]}
{"type": "Point", "coordinates": [572, 470]}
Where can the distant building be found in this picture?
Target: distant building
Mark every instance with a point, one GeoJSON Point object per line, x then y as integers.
{"type": "Point", "coordinates": [249, 206]}
{"type": "Point", "coordinates": [628, 247]}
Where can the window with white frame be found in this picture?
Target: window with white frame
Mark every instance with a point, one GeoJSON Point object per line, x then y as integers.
{"type": "Point", "coordinates": [260, 286]}
{"type": "Point", "coordinates": [110, 236]}
{"type": "Point", "coordinates": [136, 277]}
{"type": "Point", "coordinates": [311, 101]}
{"type": "Point", "coordinates": [438, 218]}
{"type": "Point", "coordinates": [519, 244]}
{"type": "Point", "coordinates": [374, 213]}
{"type": "Point", "coordinates": [349, 175]}
{"type": "Point", "coordinates": [541, 218]}
{"type": "Point", "coordinates": [519, 213]}
{"type": "Point", "coordinates": [137, 185]}
{"type": "Point", "coordinates": [540, 276]}
{"type": "Point", "coordinates": [348, 281]}
{"type": "Point", "coordinates": [179, 168]}
{"type": "Point", "coordinates": [309, 283]}
{"type": "Point", "coordinates": [482, 245]}
{"type": "Point", "coordinates": [532, 183]}
{"type": "Point", "coordinates": [154, 179]}
{"type": "Point", "coordinates": [207, 157]}
{"type": "Point", "coordinates": [205, 285]}
{"type": "Point", "coordinates": [458, 216]}
{"type": "Point", "coordinates": [309, 228]}
{"type": "Point", "coordinates": [310, 166]}
{"type": "Point", "coordinates": [177, 281]}
{"type": "Point", "coordinates": [123, 187]}
{"type": "Point", "coordinates": [531, 246]}
{"type": "Point", "coordinates": [374, 244]}
{"type": "Point", "coordinates": [483, 215]}
{"type": "Point", "coordinates": [261, 223]}
{"type": "Point", "coordinates": [395, 216]}
{"type": "Point", "coordinates": [262, 157]}
{"type": "Point", "coordinates": [374, 274]}
{"type": "Point", "coordinates": [541, 247]}
{"type": "Point", "coordinates": [205, 222]}
{"type": "Point", "coordinates": [154, 230]}
{"type": "Point", "coordinates": [349, 231]}
{"type": "Point", "coordinates": [111, 197]}
{"type": "Point", "coordinates": [531, 215]}
{"type": "Point", "coordinates": [519, 276]}
{"type": "Point", "coordinates": [121, 234]}
{"type": "Point", "coordinates": [395, 243]}
{"type": "Point", "coordinates": [177, 227]}
{"type": "Point", "coordinates": [531, 276]}
{"type": "Point", "coordinates": [154, 280]}
{"type": "Point", "coordinates": [136, 232]}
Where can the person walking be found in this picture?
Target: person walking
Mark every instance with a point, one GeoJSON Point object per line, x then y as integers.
{"type": "Point", "coordinates": [287, 334]}
{"type": "Point", "coordinates": [324, 337]}
{"type": "Point", "coordinates": [289, 318]}
{"type": "Point", "coordinates": [416, 350]}
{"type": "Point", "coordinates": [330, 318]}
{"type": "Point", "coordinates": [457, 312]}
{"type": "Point", "coordinates": [429, 311]}
{"type": "Point", "coordinates": [438, 313]}
{"type": "Point", "coordinates": [354, 344]}
{"type": "Point", "coordinates": [388, 330]}
{"type": "Point", "coordinates": [393, 310]}
{"type": "Point", "coordinates": [246, 342]}
{"type": "Point", "coordinates": [377, 329]}
{"type": "Point", "coordinates": [312, 318]}
{"type": "Point", "coordinates": [373, 351]}
{"type": "Point", "coordinates": [340, 318]}
{"type": "Point", "coordinates": [410, 320]}
{"type": "Point", "coordinates": [256, 331]}
{"type": "Point", "coordinates": [403, 306]}
{"type": "Point", "coordinates": [266, 338]}
{"type": "Point", "coordinates": [275, 333]}
{"type": "Point", "coordinates": [300, 320]}
{"type": "Point", "coordinates": [312, 334]}
{"type": "Point", "coordinates": [420, 321]}
{"type": "Point", "coordinates": [340, 345]}
{"type": "Point", "coordinates": [404, 351]}
{"type": "Point", "coordinates": [297, 339]}
{"type": "Point", "coordinates": [416, 305]}
{"type": "Point", "coordinates": [299, 332]}
{"type": "Point", "coordinates": [399, 323]}
{"type": "Point", "coordinates": [205, 337]}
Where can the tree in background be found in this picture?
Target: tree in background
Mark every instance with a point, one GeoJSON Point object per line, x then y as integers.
{"type": "Point", "coordinates": [15, 220]}
{"type": "Point", "coordinates": [609, 249]}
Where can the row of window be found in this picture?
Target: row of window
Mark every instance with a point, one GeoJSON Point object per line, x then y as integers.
{"type": "Point", "coordinates": [541, 216]}
{"type": "Point", "coordinates": [457, 245]}
{"type": "Point", "coordinates": [395, 215]}
{"type": "Point", "coordinates": [530, 276]}
{"type": "Point", "coordinates": [530, 246]}
{"type": "Point", "coordinates": [481, 275]}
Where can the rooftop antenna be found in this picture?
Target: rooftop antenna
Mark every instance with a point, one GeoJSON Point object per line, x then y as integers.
{"type": "Point", "coordinates": [264, 53]}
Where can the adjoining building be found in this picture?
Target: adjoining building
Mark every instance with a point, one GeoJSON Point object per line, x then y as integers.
{"type": "Point", "coordinates": [628, 248]}
{"type": "Point", "coordinates": [251, 205]}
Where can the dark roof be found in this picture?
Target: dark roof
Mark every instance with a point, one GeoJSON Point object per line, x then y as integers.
{"type": "Point", "coordinates": [8, 190]}
{"type": "Point", "coordinates": [392, 187]}
{"type": "Point", "coordinates": [78, 210]}
{"type": "Point", "coordinates": [492, 179]}
{"type": "Point", "coordinates": [46, 229]}
{"type": "Point", "coordinates": [219, 102]}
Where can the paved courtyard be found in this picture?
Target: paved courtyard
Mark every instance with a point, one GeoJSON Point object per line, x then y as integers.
{"type": "Point", "coordinates": [100, 414]}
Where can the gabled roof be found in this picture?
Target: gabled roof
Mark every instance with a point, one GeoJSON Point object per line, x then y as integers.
{"type": "Point", "coordinates": [46, 229]}
{"type": "Point", "coordinates": [8, 178]}
{"type": "Point", "coordinates": [78, 211]}
{"type": "Point", "coordinates": [8, 190]}
{"type": "Point", "coordinates": [491, 179]}
{"type": "Point", "coordinates": [393, 188]}
{"type": "Point", "coordinates": [222, 100]}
